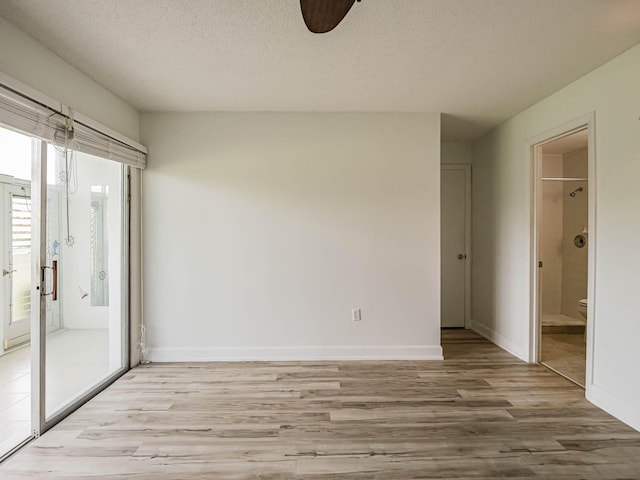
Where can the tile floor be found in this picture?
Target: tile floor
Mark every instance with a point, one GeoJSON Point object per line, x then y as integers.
{"type": "Point", "coordinates": [561, 320]}
{"type": "Point", "coordinates": [565, 353]}
{"type": "Point", "coordinates": [76, 361]}
{"type": "Point", "coordinates": [15, 398]}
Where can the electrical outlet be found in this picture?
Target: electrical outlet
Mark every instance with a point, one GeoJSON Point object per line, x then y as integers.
{"type": "Point", "coordinates": [356, 315]}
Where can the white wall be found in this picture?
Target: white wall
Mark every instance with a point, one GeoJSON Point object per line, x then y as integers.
{"type": "Point", "coordinates": [28, 61]}
{"type": "Point", "coordinates": [502, 186]}
{"type": "Point", "coordinates": [263, 230]}
{"type": "Point", "coordinates": [456, 153]}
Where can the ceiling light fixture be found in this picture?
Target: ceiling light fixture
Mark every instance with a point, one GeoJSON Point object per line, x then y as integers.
{"type": "Point", "coordinates": [322, 16]}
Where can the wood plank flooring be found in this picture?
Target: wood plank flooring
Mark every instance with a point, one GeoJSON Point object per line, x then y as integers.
{"type": "Point", "coordinates": [479, 414]}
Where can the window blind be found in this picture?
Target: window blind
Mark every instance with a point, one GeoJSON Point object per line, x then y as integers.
{"type": "Point", "coordinates": [24, 114]}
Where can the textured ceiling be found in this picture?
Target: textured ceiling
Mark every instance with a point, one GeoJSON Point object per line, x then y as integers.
{"type": "Point", "coordinates": [477, 61]}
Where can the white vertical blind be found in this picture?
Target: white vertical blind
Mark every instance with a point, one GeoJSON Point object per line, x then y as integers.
{"type": "Point", "coordinates": [20, 112]}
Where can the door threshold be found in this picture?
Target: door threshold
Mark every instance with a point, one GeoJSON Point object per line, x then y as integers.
{"type": "Point", "coordinates": [562, 374]}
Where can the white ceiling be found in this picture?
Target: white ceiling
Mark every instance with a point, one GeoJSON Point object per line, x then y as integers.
{"type": "Point", "coordinates": [477, 61]}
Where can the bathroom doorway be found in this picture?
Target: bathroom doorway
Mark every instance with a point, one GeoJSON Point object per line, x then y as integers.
{"type": "Point", "coordinates": [563, 203]}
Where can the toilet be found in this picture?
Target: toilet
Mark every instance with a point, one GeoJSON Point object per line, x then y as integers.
{"type": "Point", "coordinates": [582, 307]}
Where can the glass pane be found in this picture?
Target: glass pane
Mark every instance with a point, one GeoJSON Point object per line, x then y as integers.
{"type": "Point", "coordinates": [15, 289]}
{"type": "Point", "coordinates": [84, 245]}
{"type": "Point", "coordinates": [99, 246]}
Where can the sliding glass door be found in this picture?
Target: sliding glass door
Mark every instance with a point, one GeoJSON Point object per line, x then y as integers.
{"type": "Point", "coordinates": [64, 248]}
{"type": "Point", "coordinates": [15, 288]}
{"type": "Point", "coordinates": [84, 276]}
{"type": "Point", "coordinates": [64, 296]}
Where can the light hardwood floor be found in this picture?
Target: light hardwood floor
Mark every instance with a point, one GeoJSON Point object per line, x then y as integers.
{"type": "Point", "coordinates": [479, 414]}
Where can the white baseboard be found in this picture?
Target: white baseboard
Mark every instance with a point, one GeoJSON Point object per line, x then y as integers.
{"type": "Point", "coordinates": [622, 410]}
{"type": "Point", "coordinates": [501, 341]}
{"type": "Point", "coordinates": [343, 352]}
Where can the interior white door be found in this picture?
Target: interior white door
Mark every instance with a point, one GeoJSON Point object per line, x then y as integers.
{"type": "Point", "coordinates": [16, 270]}
{"type": "Point", "coordinates": [453, 204]}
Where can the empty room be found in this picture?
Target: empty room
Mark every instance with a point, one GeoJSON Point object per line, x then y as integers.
{"type": "Point", "coordinates": [319, 239]}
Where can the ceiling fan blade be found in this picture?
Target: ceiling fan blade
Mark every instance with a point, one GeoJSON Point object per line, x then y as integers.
{"type": "Point", "coordinates": [322, 16]}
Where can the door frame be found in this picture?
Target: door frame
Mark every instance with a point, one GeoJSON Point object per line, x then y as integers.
{"type": "Point", "coordinates": [534, 153]}
{"type": "Point", "coordinates": [467, 236]}
{"type": "Point", "coordinates": [38, 286]}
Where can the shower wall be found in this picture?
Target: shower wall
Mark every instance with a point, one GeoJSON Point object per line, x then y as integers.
{"type": "Point", "coordinates": [551, 235]}
{"type": "Point", "coordinates": [564, 276]}
{"type": "Point", "coordinates": [575, 218]}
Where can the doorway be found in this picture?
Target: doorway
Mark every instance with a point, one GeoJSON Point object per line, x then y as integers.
{"type": "Point", "coordinates": [563, 252]}
{"type": "Point", "coordinates": [455, 243]}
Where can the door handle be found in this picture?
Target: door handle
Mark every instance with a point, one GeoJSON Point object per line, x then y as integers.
{"type": "Point", "coordinates": [43, 268]}
{"type": "Point", "coordinates": [7, 272]}
{"type": "Point", "coordinates": [461, 256]}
